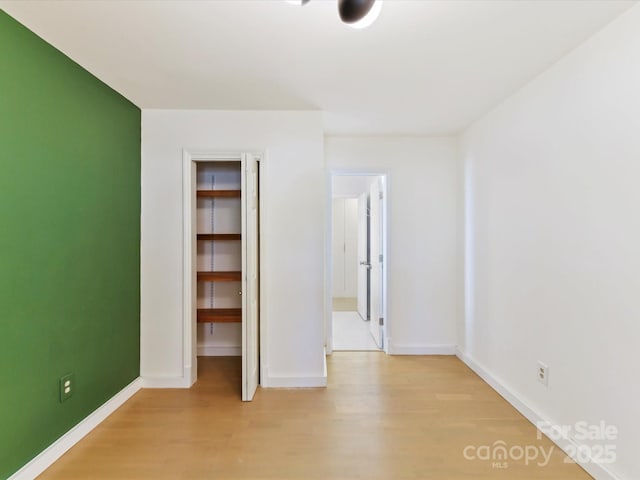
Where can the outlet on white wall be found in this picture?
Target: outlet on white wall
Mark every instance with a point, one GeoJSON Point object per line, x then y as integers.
{"type": "Point", "coordinates": [543, 373]}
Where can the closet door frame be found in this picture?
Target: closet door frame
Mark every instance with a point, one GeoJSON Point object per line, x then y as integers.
{"type": "Point", "coordinates": [190, 158]}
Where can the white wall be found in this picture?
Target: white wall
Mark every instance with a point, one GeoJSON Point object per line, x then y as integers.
{"type": "Point", "coordinates": [553, 239]}
{"type": "Point", "coordinates": [350, 186]}
{"type": "Point", "coordinates": [351, 247]}
{"type": "Point", "coordinates": [337, 248]}
{"type": "Point", "coordinates": [292, 238]}
{"type": "Point", "coordinates": [421, 233]}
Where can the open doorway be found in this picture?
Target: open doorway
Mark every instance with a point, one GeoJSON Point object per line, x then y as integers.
{"type": "Point", "coordinates": [358, 242]}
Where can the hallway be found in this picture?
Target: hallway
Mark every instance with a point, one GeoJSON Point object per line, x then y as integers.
{"type": "Point", "coordinates": [351, 333]}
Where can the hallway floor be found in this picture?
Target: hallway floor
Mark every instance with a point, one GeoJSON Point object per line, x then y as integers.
{"type": "Point", "coordinates": [351, 333]}
{"type": "Point", "coordinates": [380, 418]}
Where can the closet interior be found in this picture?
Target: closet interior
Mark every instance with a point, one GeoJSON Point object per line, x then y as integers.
{"type": "Point", "coordinates": [219, 257]}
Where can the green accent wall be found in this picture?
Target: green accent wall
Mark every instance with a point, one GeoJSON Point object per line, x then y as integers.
{"type": "Point", "coordinates": [69, 243]}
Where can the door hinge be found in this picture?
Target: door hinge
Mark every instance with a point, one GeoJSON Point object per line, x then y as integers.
{"type": "Point", "coordinates": [381, 321]}
{"type": "Point", "coordinates": [380, 257]}
{"type": "Point", "coordinates": [380, 195]}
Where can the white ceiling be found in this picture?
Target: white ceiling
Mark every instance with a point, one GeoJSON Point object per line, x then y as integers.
{"type": "Point", "coordinates": [425, 67]}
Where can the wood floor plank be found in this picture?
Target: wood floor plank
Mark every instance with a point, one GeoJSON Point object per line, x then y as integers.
{"type": "Point", "coordinates": [381, 417]}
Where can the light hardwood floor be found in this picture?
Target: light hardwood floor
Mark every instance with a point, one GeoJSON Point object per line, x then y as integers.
{"type": "Point", "coordinates": [344, 304]}
{"type": "Point", "coordinates": [381, 417]}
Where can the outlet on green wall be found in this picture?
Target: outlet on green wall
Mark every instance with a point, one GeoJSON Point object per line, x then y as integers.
{"type": "Point", "coordinates": [69, 243]}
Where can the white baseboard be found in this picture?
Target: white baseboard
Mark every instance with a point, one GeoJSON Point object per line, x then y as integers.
{"type": "Point", "coordinates": [596, 470]}
{"type": "Point", "coordinates": [52, 453]}
{"type": "Point", "coordinates": [277, 381]}
{"type": "Point", "coordinates": [167, 382]}
{"type": "Point", "coordinates": [421, 349]}
{"type": "Point", "coordinates": [219, 351]}
{"type": "Point", "coordinates": [295, 382]}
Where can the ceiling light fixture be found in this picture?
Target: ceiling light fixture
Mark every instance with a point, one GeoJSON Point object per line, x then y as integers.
{"type": "Point", "coordinates": [359, 13]}
{"type": "Point", "coordinates": [355, 13]}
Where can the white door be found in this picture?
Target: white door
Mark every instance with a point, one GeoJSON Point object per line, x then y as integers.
{"type": "Point", "coordinates": [344, 247]}
{"type": "Point", "coordinates": [376, 262]}
{"type": "Point", "coordinates": [363, 258]}
{"type": "Point", "coordinates": [250, 283]}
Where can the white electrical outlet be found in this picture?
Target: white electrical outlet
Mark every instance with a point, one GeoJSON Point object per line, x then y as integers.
{"type": "Point", "coordinates": [67, 386]}
{"type": "Point", "coordinates": [543, 373]}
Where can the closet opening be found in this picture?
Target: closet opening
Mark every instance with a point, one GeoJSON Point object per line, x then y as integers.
{"type": "Point", "coordinates": [222, 270]}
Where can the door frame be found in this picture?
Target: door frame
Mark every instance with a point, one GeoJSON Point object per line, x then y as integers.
{"type": "Point", "coordinates": [190, 157]}
{"type": "Point", "coordinates": [328, 277]}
